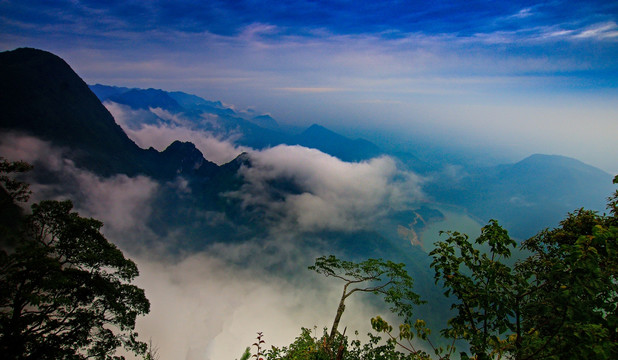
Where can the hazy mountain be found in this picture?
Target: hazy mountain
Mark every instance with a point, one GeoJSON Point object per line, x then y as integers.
{"type": "Point", "coordinates": [196, 104]}
{"type": "Point", "coordinates": [319, 137]}
{"type": "Point", "coordinates": [266, 121]}
{"type": "Point", "coordinates": [529, 195]}
{"type": "Point", "coordinates": [146, 99]}
{"type": "Point", "coordinates": [256, 131]}
{"type": "Point", "coordinates": [104, 91]}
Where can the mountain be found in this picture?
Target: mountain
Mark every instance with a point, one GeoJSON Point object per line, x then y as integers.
{"type": "Point", "coordinates": [42, 96]}
{"type": "Point", "coordinates": [146, 99]}
{"type": "Point", "coordinates": [327, 141]}
{"type": "Point", "coordinates": [255, 131]}
{"type": "Point", "coordinates": [265, 121]}
{"type": "Point", "coordinates": [103, 92]}
{"type": "Point", "coordinates": [529, 195]}
{"type": "Point", "coordinates": [196, 104]}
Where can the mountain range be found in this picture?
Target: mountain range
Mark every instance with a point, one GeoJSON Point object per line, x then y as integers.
{"type": "Point", "coordinates": [42, 96]}
{"type": "Point", "coordinates": [259, 203]}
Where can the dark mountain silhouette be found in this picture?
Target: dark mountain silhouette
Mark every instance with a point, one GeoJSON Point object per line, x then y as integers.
{"type": "Point", "coordinates": [42, 96]}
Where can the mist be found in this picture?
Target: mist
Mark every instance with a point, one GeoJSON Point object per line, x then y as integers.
{"type": "Point", "coordinates": [210, 304]}
{"type": "Point", "coordinates": [145, 129]}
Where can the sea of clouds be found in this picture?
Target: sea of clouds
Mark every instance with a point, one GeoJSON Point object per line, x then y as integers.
{"type": "Point", "coordinates": [210, 304]}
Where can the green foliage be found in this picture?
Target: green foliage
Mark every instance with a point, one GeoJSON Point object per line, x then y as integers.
{"type": "Point", "coordinates": [376, 276]}
{"type": "Point", "coordinates": [17, 190]}
{"type": "Point", "coordinates": [308, 346]}
{"type": "Point", "coordinates": [65, 291]}
{"type": "Point", "coordinates": [573, 290]}
{"type": "Point", "coordinates": [483, 285]}
{"type": "Point", "coordinates": [406, 335]}
{"type": "Point", "coordinates": [247, 354]}
{"type": "Point", "coordinates": [560, 301]}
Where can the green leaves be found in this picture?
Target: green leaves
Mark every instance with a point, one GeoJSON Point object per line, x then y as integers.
{"type": "Point", "coordinates": [17, 190]}
{"type": "Point", "coordinates": [65, 288]}
{"type": "Point", "coordinates": [376, 276]}
{"type": "Point", "coordinates": [565, 292]}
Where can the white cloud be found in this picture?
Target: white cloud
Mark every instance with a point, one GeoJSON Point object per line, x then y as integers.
{"type": "Point", "coordinates": [329, 193]}
{"type": "Point", "coordinates": [607, 30]}
{"type": "Point", "coordinates": [147, 133]}
{"type": "Point", "coordinates": [122, 203]}
{"type": "Point", "coordinates": [202, 308]}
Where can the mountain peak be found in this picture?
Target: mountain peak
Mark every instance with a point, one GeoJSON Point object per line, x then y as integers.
{"type": "Point", "coordinates": [318, 137]}
{"type": "Point", "coordinates": [321, 130]}
{"type": "Point", "coordinates": [556, 163]}
{"type": "Point", "coordinates": [146, 99]}
{"type": "Point", "coordinates": [266, 121]}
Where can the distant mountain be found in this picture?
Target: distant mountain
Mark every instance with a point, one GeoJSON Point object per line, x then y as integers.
{"type": "Point", "coordinates": [265, 121]}
{"type": "Point", "coordinates": [104, 91]}
{"type": "Point", "coordinates": [327, 141]}
{"type": "Point", "coordinates": [196, 105]}
{"type": "Point", "coordinates": [531, 194]}
{"type": "Point", "coordinates": [256, 131]}
{"type": "Point", "coordinates": [146, 99]}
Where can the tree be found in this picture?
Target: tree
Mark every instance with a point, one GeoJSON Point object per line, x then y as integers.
{"type": "Point", "coordinates": [15, 189]}
{"type": "Point", "coordinates": [11, 190]}
{"type": "Point", "coordinates": [375, 276]}
{"type": "Point", "coordinates": [573, 290]}
{"type": "Point", "coordinates": [482, 284]}
{"type": "Point", "coordinates": [559, 301]}
{"type": "Point", "coordinates": [65, 291]}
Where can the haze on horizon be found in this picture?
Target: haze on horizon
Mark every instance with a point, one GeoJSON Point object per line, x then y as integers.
{"type": "Point", "coordinates": [507, 79]}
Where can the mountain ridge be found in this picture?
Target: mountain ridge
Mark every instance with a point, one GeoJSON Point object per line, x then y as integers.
{"type": "Point", "coordinates": [42, 96]}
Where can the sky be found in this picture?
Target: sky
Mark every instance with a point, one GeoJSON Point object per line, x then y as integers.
{"type": "Point", "coordinates": [505, 79]}
{"type": "Point", "coordinates": [500, 79]}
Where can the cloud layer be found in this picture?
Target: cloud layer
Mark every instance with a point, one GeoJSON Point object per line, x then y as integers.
{"type": "Point", "coordinates": [144, 129]}
{"type": "Point", "coordinates": [120, 202]}
{"type": "Point", "coordinates": [327, 193]}
{"type": "Point", "coordinates": [209, 305]}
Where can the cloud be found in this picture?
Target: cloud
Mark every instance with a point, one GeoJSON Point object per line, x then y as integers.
{"type": "Point", "coordinates": [122, 203]}
{"type": "Point", "coordinates": [210, 304]}
{"type": "Point", "coordinates": [600, 31]}
{"type": "Point", "coordinates": [320, 192]}
{"type": "Point", "coordinates": [143, 128]}
{"type": "Point", "coordinates": [310, 89]}
{"type": "Point", "coordinates": [203, 308]}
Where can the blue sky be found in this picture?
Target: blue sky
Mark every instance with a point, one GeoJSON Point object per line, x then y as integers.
{"type": "Point", "coordinates": [501, 78]}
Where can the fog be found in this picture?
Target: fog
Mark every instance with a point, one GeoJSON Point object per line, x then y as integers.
{"type": "Point", "coordinates": [210, 304]}
{"type": "Point", "coordinates": [142, 127]}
